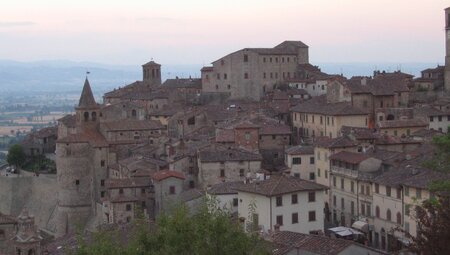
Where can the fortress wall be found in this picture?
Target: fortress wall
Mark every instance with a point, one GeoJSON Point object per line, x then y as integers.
{"type": "Point", "coordinates": [38, 194]}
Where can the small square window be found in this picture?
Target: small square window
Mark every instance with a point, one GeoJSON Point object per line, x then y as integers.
{"type": "Point", "coordinates": [294, 199]}
{"type": "Point", "coordinates": [312, 216]}
{"type": "Point", "coordinates": [294, 218]}
{"type": "Point", "coordinates": [280, 220]}
{"type": "Point", "coordinates": [172, 190]}
{"type": "Point", "coordinates": [279, 201]}
{"type": "Point", "coordinates": [77, 182]}
{"type": "Point", "coordinates": [235, 202]}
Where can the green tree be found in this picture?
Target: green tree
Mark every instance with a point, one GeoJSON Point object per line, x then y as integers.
{"type": "Point", "coordinates": [210, 230]}
{"type": "Point", "coordinates": [16, 155]}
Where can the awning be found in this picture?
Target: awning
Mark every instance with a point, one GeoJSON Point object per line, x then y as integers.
{"type": "Point", "coordinates": [361, 225]}
{"type": "Point", "coordinates": [344, 231]}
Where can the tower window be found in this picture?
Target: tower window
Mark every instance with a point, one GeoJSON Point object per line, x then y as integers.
{"type": "Point", "coordinates": [94, 116]}
{"type": "Point", "coordinates": [86, 116]}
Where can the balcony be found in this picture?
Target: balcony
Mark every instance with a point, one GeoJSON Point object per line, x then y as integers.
{"type": "Point", "coordinates": [353, 173]}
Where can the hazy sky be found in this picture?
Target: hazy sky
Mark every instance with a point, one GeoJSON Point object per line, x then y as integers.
{"type": "Point", "coordinates": [200, 31]}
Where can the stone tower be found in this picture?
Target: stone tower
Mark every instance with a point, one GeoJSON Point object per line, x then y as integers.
{"type": "Point", "coordinates": [151, 73]}
{"type": "Point", "coordinates": [74, 161]}
{"type": "Point", "coordinates": [27, 239]}
{"type": "Point", "coordinates": [447, 49]}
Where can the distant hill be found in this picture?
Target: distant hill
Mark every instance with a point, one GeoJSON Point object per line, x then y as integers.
{"type": "Point", "coordinates": [64, 75]}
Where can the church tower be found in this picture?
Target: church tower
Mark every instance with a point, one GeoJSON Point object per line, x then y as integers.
{"type": "Point", "coordinates": [87, 112]}
{"type": "Point", "coordinates": [447, 50]}
{"type": "Point", "coordinates": [151, 73]}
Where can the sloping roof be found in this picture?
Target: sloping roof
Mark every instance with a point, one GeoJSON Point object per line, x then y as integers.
{"type": "Point", "coordinates": [314, 244]}
{"type": "Point", "coordinates": [225, 188]}
{"type": "Point", "coordinates": [338, 142]}
{"type": "Point", "coordinates": [280, 184]}
{"type": "Point", "coordinates": [222, 154]}
{"type": "Point", "coordinates": [127, 183]}
{"type": "Point", "coordinates": [87, 98]}
{"type": "Point", "coordinates": [318, 105]}
{"type": "Point", "coordinates": [284, 48]}
{"type": "Point", "coordinates": [164, 174]}
{"type": "Point", "coordinates": [402, 123]}
{"type": "Point", "coordinates": [68, 120]}
{"type": "Point", "coordinates": [151, 63]}
{"type": "Point", "coordinates": [120, 125]}
{"type": "Point", "coordinates": [350, 157]}
{"type": "Point", "coordinates": [360, 133]}
{"type": "Point", "coordinates": [225, 136]}
{"type": "Point", "coordinates": [92, 137]}
{"type": "Point", "coordinates": [191, 194]}
{"type": "Point", "coordinates": [300, 150]}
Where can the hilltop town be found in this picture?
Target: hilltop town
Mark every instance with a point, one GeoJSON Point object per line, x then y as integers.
{"type": "Point", "coordinates": [313, 151]}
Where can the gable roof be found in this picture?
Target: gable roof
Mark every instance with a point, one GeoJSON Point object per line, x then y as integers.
{"type": "Point", "coordinates": [164, 174]}
{"type": "Point", "coordinates": [217, 153]}
{"type": "Point", "coordinates": [319, 105]}
{"type": "Point", "coordinates": [279, 185]}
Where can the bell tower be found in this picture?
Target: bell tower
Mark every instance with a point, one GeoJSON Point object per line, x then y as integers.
{"type": "Point", "coordinates": [447, 50]}
{"type": "Point", "coordinates": [151, 74]}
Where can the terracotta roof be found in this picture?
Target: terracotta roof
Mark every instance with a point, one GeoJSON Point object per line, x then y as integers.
{"type": "Point", "coordinates": [319, 105]}
{"type": "Point", "coordinates": [338, 142]}
{"type": "Point", "coordinates": [280, 184]}
{"type": "Point", "coordinates": [191, 194]}
{"type": "Point", "coordinates": [402, 123]}
{"type": "Point", "coordinates": [388, 139]}
{"type": "Point", "coordinates": [300, 150]}
{"type": "Point", "coordinates": [222, 154]}
{"type": "Point", "coordinates": [225, 188]}
{"type": "Point", "coordinates": [360, 133]}
{"type": "Point", "coordinates": [87, 98]}
{"type": "Point", "coordinates": [68, 121]}
{"type": "Point", "coordinates": [127, 183]}
{"type": "Point", "coordinates": [225, 136]}
{"type": "Point", "coordinates": [121, 125]}
{"type": "Point", "coordinates": [164, 174]}
{"type": "Point", "coordinates": [46, 132]}
{"type": "Point", "coordinates": [313, 244]}
{"type": "Point", "coordinates": [350, 157]}
{"type": "Point", "coordinates": [284, 48]}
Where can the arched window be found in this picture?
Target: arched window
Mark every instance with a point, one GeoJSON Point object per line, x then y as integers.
{"type": "Point", "coordinates": [133, 113]}
{"type": "Point", "coordinates": [377, 211]}
{"type": "Point", "coordinates": [86, 116]}
{"type": "Point", "coordinates": [94, 116]}
{"type": "Point", "coordinates": [388, 214]}
{"type": "Point", "coordinates": [399, 218]}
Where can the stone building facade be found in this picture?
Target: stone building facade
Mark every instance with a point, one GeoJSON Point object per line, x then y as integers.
{"type": "Point", "coordinates": [250, 72]}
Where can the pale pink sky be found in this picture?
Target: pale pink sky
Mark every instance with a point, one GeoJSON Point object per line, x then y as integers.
{"type": "Point", "coordinates": [200, 31]}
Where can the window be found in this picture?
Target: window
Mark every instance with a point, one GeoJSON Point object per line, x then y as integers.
{"type": "Point", "coordinates": [218, 76]}
{"type": "Point", "coordinates": [128, 207]}
{"type": "Point", "coordinates": [235, 202]}
{"type": "Point", "coordinates": [264, 60]}
{"type": "Point", "coordinates": [245, 58]}
{"type": "Point", "coordinates": [120, 191]}
{"type": "Point", "coordinates": [77, 182]}
{"type": "Point", "coordinates": [342, 183]}
{"type": "Point", "coordinates": [225, 76]}
{"type": "Point", "coordinates": [352, 187]}
{"type": "Point", "coordinates": [102, 183]}
{"type": "Point", "coordinates": [318, 172]}
{"type": "Point", "coordinates": [368, 210]}
{"type": "Point", "coordinates": [294, 199]}
{"type": "Point", "coordinates": [311, 160]}
{"type": "Point", "coordinates": [439, 118]}
{"type": "Point", "coordinates": [388, 214]}
{"type": "Point", "coordinates": [362, 189]}
{"type": "Point", "coordinates": [143, 204]}
{"type": "Point", "coordinates": [297, 175]}
{"type": "Point", "coordinates": [418, 193]}
{"type": "Point", "coordinates": [311, 196]}
{"type": "Point", "coordinates": [334, 201]}
{"type": "Point", "coordinates": [280, 220]}
{"type": "Point", "coordinates": [264, 75]}
{"type": "Point", "coordinates": [377, 211]}
{"type": "Point", "coordinates": [326, 174]}
{"type": "Point", "coordinates": [245, 75]}
{"type": "Point", "coordinates": [399, 218]}
{"type": "Point", "coordinates": [143, 191]}
{"type": "Point", "coordinates": [352, 207]}
{"type": "Point", "coordinates": [102, 194]}
{"type": "Point", "coordinates": [312, 176]}
{"type": "Point", "coordinates": [334, 181]}
{"type": "Point", "coordinates": [279, 201]}
{"type": "Point", "coordinates": [294, 218]}
{"type": "Point", "coordinates": [388, 191]}
{"type": "Point", "coordinates": [377, 188]}
{"type": "Point", "coordinates": [172, 190]}
{"type": "Point", "coordinates": [86, 116]}
{"type": "Point", "coordinates": [368, 190]}
{"type": "Point", "coordinates": [241, 172]}
{"type": "Point", "coordinates": [342, 203]}
{"type": "Point", "coordinates": [431, 118]}
{"type": "Point", "coordinates": [102, 163]}
{"type": "Point", "coordinates": [296, 161]}
{"type": "Point", "coordinates": [312, 216]}
{"type": "Point", "coordinates": [229, 86]}
{"type": "Point", "coordinates": [222, 173]}
{"type": "Point", "coordinates": [399, 193]}
{"type": "Point", "coordinates": [363, 209]}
